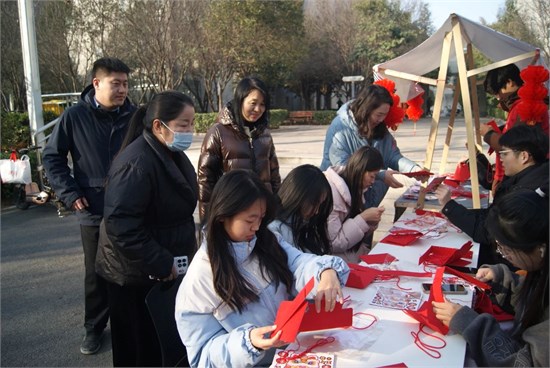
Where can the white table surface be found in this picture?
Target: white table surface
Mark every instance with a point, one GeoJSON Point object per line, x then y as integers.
{"type": "Point", "coordinates": [389, 340]}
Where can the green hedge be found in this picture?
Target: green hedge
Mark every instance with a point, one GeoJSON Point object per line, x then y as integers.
{"type": "Point", "coordinates": [324, 117]}
{"type": "Point", "coordinates": [16, 131]}
{"type": "Point", "coordinates": [203, 121]}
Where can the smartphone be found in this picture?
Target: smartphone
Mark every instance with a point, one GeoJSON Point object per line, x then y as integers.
{"type": "Point", "coordinates": [447, 288]}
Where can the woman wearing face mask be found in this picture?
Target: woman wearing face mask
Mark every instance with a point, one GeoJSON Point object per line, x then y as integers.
{"type": "Point", "coordinates": [150, 196]}
{"type": "Point", "coordinates": [350, 226]}
{"type": "Point", "coordinates": [240, 139]}
{"type": "Point", "coordinates": [361, 122]}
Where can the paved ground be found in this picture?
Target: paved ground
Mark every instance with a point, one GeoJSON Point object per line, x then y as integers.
{"type": "Point", "coordinates": [42, 263]}
{"type": "Point", "coordinates": [303, 144]}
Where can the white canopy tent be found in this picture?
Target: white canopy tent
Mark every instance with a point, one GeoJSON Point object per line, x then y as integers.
{"type": "Point", "coordinates": [453, 42]}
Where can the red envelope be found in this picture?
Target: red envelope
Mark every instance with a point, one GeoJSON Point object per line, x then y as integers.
{"type": "Point", "coordinates": [417, 174]}
{"type": "Point", "coordinates": [432, 185]}
{"type": "Point", "coordinates": [295, 316]}
{"type": "Point", "coordinates": [401, 238]}
{"type": "Point", "coordinates": [443, 256]}
{"type": "Point", "coordinates": [339, 317]}
{"type": "Point", "coordinates": [378, 258]}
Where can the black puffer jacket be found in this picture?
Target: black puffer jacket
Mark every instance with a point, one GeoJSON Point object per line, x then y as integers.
{"type": "Point", "coordinates": [472, 221]}
{"type": "Point", "coordinates": [229, 146]}
{"type": "Point", "coordinates": [150, 197]}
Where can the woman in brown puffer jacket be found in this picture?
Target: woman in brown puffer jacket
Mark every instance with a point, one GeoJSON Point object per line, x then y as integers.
{"type": "Point", "coordinates": [240, 139]}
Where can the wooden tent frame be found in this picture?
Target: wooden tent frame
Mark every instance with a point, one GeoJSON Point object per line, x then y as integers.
{"type": "Point", "coordinates": [466, 75]}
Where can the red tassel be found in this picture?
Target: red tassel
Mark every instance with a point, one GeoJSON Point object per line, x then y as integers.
{"type": "Point", "coordinates": [414, 110]}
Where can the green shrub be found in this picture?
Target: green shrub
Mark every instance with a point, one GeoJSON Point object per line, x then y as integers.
{"type": "Point", "coordinates": [277, 117]}
{"type": "Point", "coordinates": [323, 117]}
{"type": "Point", "coordinates": [16, 131]}
{"type": "Point", "coordinates": [203, 121]}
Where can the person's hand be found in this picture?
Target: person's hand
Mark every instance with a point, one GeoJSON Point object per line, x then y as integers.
{"type": "Point", "coordinates": [485, 274]}
{"type": "Point", "coordinates": [373, 214]}
{"type": "Point", "coordinates": [445, 311]}
{"type": "Point", "coordinates": [80, 204]}
{"type": "Point", "coordinates": [484, 129]}
{"type": "Point", "coordinates": [257, 338]}
{"type": "Point", "coordinates": [173, 275]}
{"type": "Point", "coordinates": [330, 289]}
{"type": "Point", "coordinates": [390, 180]}
{"type": "Point", "coordinates": [443, 194]}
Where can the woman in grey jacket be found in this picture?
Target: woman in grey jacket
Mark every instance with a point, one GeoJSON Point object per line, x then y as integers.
{"type": "Point", "coordinates": [519, 226]}
{"type": "Point", "coordinates": [361, 122]}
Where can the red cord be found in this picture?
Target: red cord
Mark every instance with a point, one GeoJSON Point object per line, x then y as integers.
{"type": "Point", "coordinates": [430, 350]}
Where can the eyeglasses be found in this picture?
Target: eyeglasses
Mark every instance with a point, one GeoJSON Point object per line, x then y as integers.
{"type": "Point", "coordinates": [505, 152]}
{"type": "Point", "coordinates": [502, 250]}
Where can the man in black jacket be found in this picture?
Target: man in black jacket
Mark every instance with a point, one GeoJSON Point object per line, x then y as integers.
{"type": "Point", "coordinates": [92, 133]}
{"type": "Point", "coordinates": [524, 152]}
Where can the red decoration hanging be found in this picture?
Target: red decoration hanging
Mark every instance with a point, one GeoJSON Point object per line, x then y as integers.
{"type": "Point", "coordinates": [414, 110]}
{"type": "Point", "coordinates": [397, 113]}
{"type": "Point", "coordinates": [531, 107]}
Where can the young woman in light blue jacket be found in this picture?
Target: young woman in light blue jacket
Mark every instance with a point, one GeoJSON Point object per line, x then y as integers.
{"type": "Point", "coordinates": [305, 204]}
{"type": "Point", "coordinates": [361, 122]}
{"type": "Point", "coordinates": [227, 303]}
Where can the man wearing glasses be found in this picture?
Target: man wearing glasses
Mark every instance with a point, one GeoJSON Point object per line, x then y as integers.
{"type": "Point", "coordinates": [523, 151]}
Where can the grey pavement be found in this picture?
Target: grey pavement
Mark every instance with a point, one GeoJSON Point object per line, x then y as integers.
{"type": "Point", "coordinates": [42, 271]}
{"type": "Point", "coordinates": [303, 144]}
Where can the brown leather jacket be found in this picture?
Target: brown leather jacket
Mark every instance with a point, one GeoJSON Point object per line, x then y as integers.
{"type": "Point", "coordinates": [227, 146]}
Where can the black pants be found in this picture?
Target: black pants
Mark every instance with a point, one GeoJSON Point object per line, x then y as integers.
{"type": "Point", "coordinates": [133, 336]}
{"type": "Point", "coordinates": [96, 306]}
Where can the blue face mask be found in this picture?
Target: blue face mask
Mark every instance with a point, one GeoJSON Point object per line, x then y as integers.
{"type": "Point", "coordinates": [181, 142]}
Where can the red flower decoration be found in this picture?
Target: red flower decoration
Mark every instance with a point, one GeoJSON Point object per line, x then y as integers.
{"type": "Point", "coordinates": [414, 110]}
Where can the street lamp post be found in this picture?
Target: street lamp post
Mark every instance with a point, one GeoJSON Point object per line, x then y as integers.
{"type": "Point", "coordinates": [353, 79]}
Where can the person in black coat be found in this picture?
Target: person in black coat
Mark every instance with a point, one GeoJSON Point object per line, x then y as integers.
{"type": "Point", "coordinates": [524, 158]}
{"type": "Point", "coordinates": [91, 132]}
{"type": "Point", "coordinates": [150, 196]}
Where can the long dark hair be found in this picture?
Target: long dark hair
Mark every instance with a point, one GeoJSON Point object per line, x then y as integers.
{"type": "Point", "coordinates": [364, 159]}
{"type": "Point", "coordinates": [304, 187]}
{"type": "Point", "coordinates": [520, 221]}
{"type": "Point", "coordinates": [164, 106]}
{"type": "Point", "coordinates": [496, 79]}
{"type": "Point", "coordinates": [369, 99]}
{"type": "Point", "coordinates": [235, 192]}
{"type": "Point", "coordinates": [245, 86]}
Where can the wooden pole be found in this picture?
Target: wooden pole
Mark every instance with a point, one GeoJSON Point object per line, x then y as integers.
{"type": "Point", "coordinates": [462, 74]}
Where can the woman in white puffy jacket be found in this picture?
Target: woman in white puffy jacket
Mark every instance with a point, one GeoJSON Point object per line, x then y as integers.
{"type": "Point", "coordinates": [227, 303]}
{"type": "Point", "coordinates": [349, 225]}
